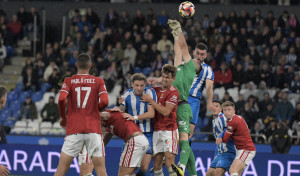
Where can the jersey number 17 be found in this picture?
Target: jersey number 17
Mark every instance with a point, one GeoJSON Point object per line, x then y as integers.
{"type": "Point", "coordinates": [78, 91]}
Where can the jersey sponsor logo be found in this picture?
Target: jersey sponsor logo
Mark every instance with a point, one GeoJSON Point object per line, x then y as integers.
{"type": "Point", "coordinates": [167, 141]}
{"type": "Point", "coordinates": [162, 95]}
{"type": "Point", "coordinates": [173, 98]}
{"type": "Point", "coordinates": [178, 69]}
{"type": "Point", "coordinates": [111, 129]}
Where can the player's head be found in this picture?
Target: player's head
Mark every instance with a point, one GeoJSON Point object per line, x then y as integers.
{"type": "Point", "coordinates": [200, 52]}
{"type": "Point", "coordinates": [138, 83]}
{"type": "Point", "coordinates": [3, 97]}
{"type": "Point", "coordinates": [197, 65]}
{"type": "Point", "coordinates": [168, 74]}
{"type": "Point", "coordinates": [217, 108]}
{"type": "Point", "coordinates": [228, 109]}
{"type": "Point", "coordinates": [104, 117]}
{"type": "Point", "coordinates": [84, 62]}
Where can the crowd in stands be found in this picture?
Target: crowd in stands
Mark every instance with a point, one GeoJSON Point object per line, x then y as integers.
{"type": "Point", "coordinates": [256, 57]}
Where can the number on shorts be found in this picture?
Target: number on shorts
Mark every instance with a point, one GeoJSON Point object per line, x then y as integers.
{"type": "Point", "coordinates": [78, 90]}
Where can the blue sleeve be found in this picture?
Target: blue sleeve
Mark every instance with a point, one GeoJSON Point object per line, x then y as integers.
{"type": "Point", "coordinates": [222, 134]}
{"type": "Point", "coordinates": [210, 74]}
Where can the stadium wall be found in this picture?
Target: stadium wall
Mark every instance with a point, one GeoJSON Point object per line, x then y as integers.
{"type": "Point", "coordinates": [37, 160]}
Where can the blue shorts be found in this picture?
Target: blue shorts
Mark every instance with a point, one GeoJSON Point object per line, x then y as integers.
{"type": "Point", "coordinates": [223, 160]}
{"type": "Point", "coordinates": [149, 136]}
{"type": "Point", "coordinates": [195, 106]}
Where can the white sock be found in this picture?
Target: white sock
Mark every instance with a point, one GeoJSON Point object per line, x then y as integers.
{"type": "Point", "coordinates": [90, 174]}
{"type": "Point", "coordinates": [158, 173]}
{"type": "Point", "coordinates": [234, 174]}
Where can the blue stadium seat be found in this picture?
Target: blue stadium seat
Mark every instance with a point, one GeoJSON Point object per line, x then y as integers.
{"type": "Point", "coordinates": [147, 71]}
{"type": "Point", "coordinates": [15, 105]}
{"type": "Point", "coordinates": [37, 96]}
{"type": "Point", "coordinates": [19, 87]}
{"type": "Point", "coordinates": [10, 51]}
{"type": "Point", "coordinates": [138, 70]}
{"type": "Point", "coordinates": [45, 87]}
{"type": "Point", "coordinates": [12, 96]}
{"type": "Point", "coordinates": [9, 123]}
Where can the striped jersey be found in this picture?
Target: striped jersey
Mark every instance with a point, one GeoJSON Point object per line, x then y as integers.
{"type": "Point", "coordinates": [135, 107]}
{"type": "Point", "coordinates": [199, 82]}
{"type": "Point", "coordinates": [219, 125]}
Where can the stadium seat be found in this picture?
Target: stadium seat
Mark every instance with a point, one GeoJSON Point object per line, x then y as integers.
{"type": "Point", "coordinates": [37, 96]}
{"type": "Point", "coordinates": [138, 70]}
{"type": "Point", "coordinates": [45, 87]}
{"type": "Point", "coordinates": [220, 92]}
{"type": "Point", "coordinates": [19, 128]}
{"type": "Point", "coordinates": [234, 93]}
{"type": "Point", "coordinates": [12, 96]}
{"type": "Point", "coordinates": [45, 127]}
{"type": "Point", "coordinates": [57, 129]}
{"type": "Point", "coordinates": [19, 87]}
{"type": "Point", "coordinates": [32, 127]}
{"type": "Point", "coordinates": [147, 71]}
{"type": "Point", "coordinates": [9, 123]}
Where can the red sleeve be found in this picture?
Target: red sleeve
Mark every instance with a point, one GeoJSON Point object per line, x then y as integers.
{"type": "Point", "coordinates": [229, 131]}
{"type": "Point", "coordinates": [62, 104]}
{"type": "Point", "coordinates": [103, 96]}
{"type": "Point", "coordinates": [173, 98]}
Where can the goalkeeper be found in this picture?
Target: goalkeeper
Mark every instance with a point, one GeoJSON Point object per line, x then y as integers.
{"type": "Point", "coordinates": [184, 79]}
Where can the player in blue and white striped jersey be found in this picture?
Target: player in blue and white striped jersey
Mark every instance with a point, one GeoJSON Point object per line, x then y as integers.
{"type": "Point", "coordinates": [140, 112]}
{"type": "Point", "coordinates": [225, 152]}
{"type": "Point", "coordinates": [203, 80]}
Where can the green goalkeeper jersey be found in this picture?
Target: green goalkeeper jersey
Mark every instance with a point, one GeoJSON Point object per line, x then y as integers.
{"type": "Point", "coordinates": [184, 79]}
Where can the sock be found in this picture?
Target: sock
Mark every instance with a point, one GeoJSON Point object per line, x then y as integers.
{"type": "Point", "coordinates": [171, 172]}
{"type": "Point", "coordinates": [90, 174]}
{"type": "Point", "coordinates": [185, 152]}
{"type": "Point", "coordinates": [141, 173]}
{"type": "Point", "coordinates": [158, 173]}
{"type": "Point", "coordinates": [234, 174]}
{"type": "Point", "coordinates": [191, 164]}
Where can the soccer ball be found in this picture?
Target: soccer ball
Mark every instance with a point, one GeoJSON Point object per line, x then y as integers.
{"type": "Point", "coordinates": [186, 9]}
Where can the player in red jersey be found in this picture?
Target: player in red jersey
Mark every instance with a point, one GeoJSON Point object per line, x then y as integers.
{"type": "Point", "coordinates": [136, 143]}
{"type": "Point", "coordinates": [86, 96]}
{"type": "Point", "coordinates": [238, 130]}
{"type": "Point", "coordinates": [165, 132]}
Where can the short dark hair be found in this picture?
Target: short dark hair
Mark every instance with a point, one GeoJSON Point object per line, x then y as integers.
{"type": "Point", "coordinates": [83, 61]}
{"type": "Point", "coordinates": [168, 68]}
{"type": "Point", "coordinates": [218, 101]}
{"type": "Point", "coordinates": [201, 46]}
{"type": "Point", "coordinates": [3, 91]}
{"type": "Point", "coordinates": [138, 77]}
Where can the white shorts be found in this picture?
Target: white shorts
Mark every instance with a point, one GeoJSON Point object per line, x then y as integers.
{"type": "Point", "coordinates": [134, 151]}
{"type": "Point", "coordinates": [165, 141]}
{"type": "Point", "coordinates": [74, 143]}
{"type": "Point", "coordinates": [83, 157]}
{"type": "Point", "coordinates": [245, 155]}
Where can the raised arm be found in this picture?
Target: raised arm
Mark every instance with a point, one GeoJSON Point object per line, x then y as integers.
{"type": "Point", "coordinates": [177, 34]}
{"type": "Point", "coordinates": [178, 53]}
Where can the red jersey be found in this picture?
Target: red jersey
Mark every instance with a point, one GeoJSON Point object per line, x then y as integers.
{"type": "Point", "coordinates": [120, 126]}
{"type": "Point", "coordinates": [83, 99]}
{"type": "Point", "coordinates": [238, 130]}
{"type": "Point", "coordinates": [161, 122]}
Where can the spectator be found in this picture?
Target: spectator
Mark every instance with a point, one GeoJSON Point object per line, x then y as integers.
{"type": "Point", "coordinates": [92, 17]}
{"type": "Point", "coordinates": [15, 26]}
{"type": "Point", "coordinates": [139, 19]}
{"type": "Point", "coordinates": [49, 70]}
{"type": "Point", "coordinates": [296, 116]}
{"type": "Point", "coordinates": [239, 105]}
{"type": "Point", "coordinates": [227, 97]}
{"type": "Point", "coordinates": [250, 89]}
{"type": "Point", "coordinates": [28, 110]}
{"type": "Point", "coordinates": [163, 42]}
{"type": "Point", "coordinates": [125, 20]}
{"type": "Point", "coordinates": [265, 102]}
{"type": "Point", "coordinates": [249, 114]}
{"type": "Point", "coordinates": [126, 68]}
{"type": "Point", "coordinates": [30, 80]}
{"type": "Point", "coordinates": [118, 53]}
{"type": "Point", "coordinates": [2, 55]}
{"type": "Point", "coordinates": [257, 132]}
{"type": "Point", "coordinates": [50, 111]}
{"type": "Point", "coordinates": [252, 75]}
{"type": "Point", "coordinates": [223, 77]}
{"type": "Point", "coordinates": [272, 127]}
{"type": "Point", "coordinates": [163, 18]}
{"type": "Point", "coordinates": [238, 77]}
{"type": "Point", "coordinates": [296, 135]}
{"type": "Point", "coordinates": [281, 142]}
{"type": "Point", "coordinates": [284, 110]}
{"type": "Point", "coordinates": [158, 63]}
{"type": "Point", "coordinates": [54, 79]}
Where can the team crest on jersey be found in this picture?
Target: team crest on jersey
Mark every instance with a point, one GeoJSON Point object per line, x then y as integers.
{"type": "Point", "coordinates": [162, 95]}
{"type": "Point", "coordinates": [229, 127]}
{"type": "Point", "coordinates": [64, 85]}
{"type": "Point", "coordinates": [167, 141]}
{"type": "Point", "coordinates": [111, 129]}
{"type": "Point", "coordinates": [174, 98]}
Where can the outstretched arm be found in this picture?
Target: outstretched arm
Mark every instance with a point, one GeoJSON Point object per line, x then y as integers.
{"type": "Point", "coordinates": [178, 53]}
